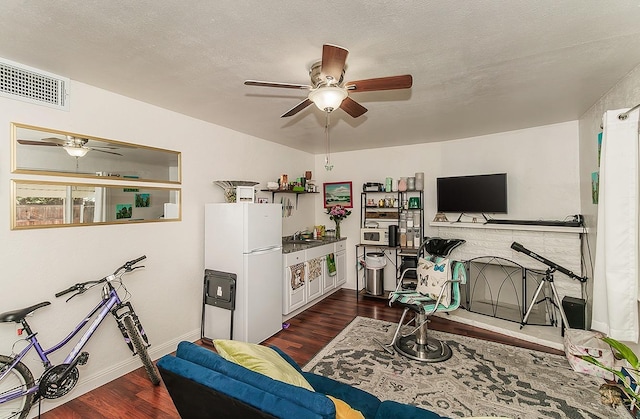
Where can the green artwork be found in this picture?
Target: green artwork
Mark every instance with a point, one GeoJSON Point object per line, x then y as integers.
{"type": "Point", "coordinates": [599, 146]}
{"type": "Point", "coordinates": [123, 211]}
{"type": "Point", "coordinates": [142, 200]}
{"type": "Point", "coordinates": [595, 180]}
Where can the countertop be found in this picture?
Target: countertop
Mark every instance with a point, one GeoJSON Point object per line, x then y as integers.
{"type": "Point", "coordinates": [290, 246]}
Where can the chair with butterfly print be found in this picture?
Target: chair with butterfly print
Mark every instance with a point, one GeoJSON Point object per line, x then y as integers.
{"type": "Point", "coordinates": [437, 290]}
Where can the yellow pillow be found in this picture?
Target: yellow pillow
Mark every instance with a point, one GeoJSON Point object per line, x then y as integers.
{"type": "Point", "coordinates": [260, 359]}
{"type": "Point", "coordinates": [344, 411]}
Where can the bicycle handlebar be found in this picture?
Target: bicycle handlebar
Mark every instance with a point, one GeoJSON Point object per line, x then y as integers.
{"type": "Point", "coordinates": [81, 286]}
{"type": "Point", "coordinates": [128, 266]}
{"type": "Point", "coordinates": [68, 290]}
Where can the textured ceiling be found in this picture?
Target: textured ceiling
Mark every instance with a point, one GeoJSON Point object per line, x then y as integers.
{"type": "Point", "coordinates": [479, 66]}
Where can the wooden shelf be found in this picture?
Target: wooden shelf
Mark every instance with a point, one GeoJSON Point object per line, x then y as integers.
{"type": "Point", "coordinates": [285, 191]}
{"type": "Point", "coordinates": [289, 191]}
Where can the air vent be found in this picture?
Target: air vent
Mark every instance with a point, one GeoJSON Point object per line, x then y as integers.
{"type": "Point", "coordinates": [18, 81]}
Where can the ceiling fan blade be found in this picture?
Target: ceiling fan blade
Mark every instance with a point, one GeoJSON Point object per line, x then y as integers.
{"type": "Point", "coordinates": [333, 61]}
{"type": "Point", "coordinates": [55, 140]}
{"type": "Point", "coordinates": [104, 151]}
{"type": "Point", "coordinates": [352, 107]}
{"type": "Point", "coordinates": [37, 142]}
{"type": "Point", "coordinates": [103, 146]}
{"type": "Point", "coordinates": [382, 83]}
{"type": "Point", "coordinates": [276, 84]}
{"type": "Point", "coordinates": [300, 106]}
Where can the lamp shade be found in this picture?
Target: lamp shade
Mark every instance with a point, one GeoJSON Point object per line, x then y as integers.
{"type": "Point", "coordinates": [76, 151]}
{"type": "Point", "coordinates": [328, 98]}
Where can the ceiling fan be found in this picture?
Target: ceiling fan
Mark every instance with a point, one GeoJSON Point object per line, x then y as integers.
{"type": "Point", "coordinates": [74, 146]}
{"type": "Point", "coordinates": [329, 91]}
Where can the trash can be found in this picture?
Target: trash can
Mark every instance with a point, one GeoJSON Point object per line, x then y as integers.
{"type": "Point", "coordinates": [374, 273]}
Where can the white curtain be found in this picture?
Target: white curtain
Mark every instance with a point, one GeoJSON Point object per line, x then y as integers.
{"type": "Point", "coordinates": [615, 282]}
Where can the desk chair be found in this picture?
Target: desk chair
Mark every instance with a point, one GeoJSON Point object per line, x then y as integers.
{"type": "Point", "coordinates": [437, 291]}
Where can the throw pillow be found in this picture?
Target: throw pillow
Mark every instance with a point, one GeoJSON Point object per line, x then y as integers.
{"type": "Point", "coordinates": [431, 278]}
{"type": "Point", "coordinates": [344, 411]}
{"type": "Point", "coordinates": [260, 359]}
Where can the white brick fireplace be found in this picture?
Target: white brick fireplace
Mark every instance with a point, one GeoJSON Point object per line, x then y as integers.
{"type": "Point", "coordinates": [560, 245]}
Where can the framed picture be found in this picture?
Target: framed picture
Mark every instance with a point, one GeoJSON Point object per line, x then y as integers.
{"type": "Point", "coordinates": [338, 193]}
{"type": "Point", "coordinates": [263, 200]}
{"type": "Point", "coordinates": [595, 186]}
{"type": "Point", "coordinates": [123, 211]}
{"type": "Point", "coordinates": [142, 200]}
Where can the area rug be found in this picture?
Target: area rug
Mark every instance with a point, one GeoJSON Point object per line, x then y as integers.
{"type": "Point", "coordinates": [481, 379]}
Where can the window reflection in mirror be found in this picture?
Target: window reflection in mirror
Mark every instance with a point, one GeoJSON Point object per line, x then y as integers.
{"type": "Point", "coordinates": [39, 204]}
{"type": "Point", "coordinates": [41, 150]}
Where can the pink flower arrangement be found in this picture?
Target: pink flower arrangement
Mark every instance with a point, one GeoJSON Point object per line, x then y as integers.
{"type": "Point", "coordinates": [338, 213]}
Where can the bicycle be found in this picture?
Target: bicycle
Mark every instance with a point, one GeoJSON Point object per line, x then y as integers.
{"type": "Point", "coordinates": [18, 389]}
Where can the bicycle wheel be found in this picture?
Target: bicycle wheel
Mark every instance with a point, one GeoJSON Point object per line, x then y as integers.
{"type": "Point", "coordinates": [18, 378]}
{"type": "Point", "coordinates": [141, 349]}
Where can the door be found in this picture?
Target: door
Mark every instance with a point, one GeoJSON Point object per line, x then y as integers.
{"type": "Point", "coordinates": [262, 226]}
{"type": "Point", "coordinates": [316, 272]}
{"type": "Point", "coordinates": [341, 268]}
{"type": "Point", "coordinates": [262, 310]}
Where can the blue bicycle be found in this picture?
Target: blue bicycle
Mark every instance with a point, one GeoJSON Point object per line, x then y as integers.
{"type": "Point", "coordinates": [18, 389]}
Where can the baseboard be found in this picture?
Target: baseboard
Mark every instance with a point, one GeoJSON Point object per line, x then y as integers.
{"type": "Point", "coordinates": [548, 336]}
{"type": "Point", "coordinates": [93, 381]}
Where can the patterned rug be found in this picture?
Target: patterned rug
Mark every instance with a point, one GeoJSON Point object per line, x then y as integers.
{"type": "Point", "coordinates": [481, 379]}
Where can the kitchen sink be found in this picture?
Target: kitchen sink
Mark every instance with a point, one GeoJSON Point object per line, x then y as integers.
{"type": "Point", "coordinates": [293, 245]}
{"type": "Point", "coordinates": [289, 246]}
{"type": "Point", "coordinates": [302, 241]}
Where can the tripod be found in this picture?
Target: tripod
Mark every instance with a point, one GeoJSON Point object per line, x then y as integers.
{"type": "Point", "coordinates": [548, 277]}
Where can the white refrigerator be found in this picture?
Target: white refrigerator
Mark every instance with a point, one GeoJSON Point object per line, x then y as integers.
{"type": "Point", "coordinates": [246, 239]}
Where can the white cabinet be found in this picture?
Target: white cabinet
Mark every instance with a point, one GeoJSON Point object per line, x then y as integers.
{"type": "Point", "coordinates": [315, 277]}
{"type": "Point", "coordinates": [329, 281]}
{"type": "Point", "coordinates": [316, 261]}
{"type": "Point", "coordinates": [295, 293]}
{"type": "Point", "coordinates": [341, 264]}
{"type": "Point", "coordinates": [306, 276]}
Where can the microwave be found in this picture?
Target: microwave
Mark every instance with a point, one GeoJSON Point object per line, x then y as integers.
{"type": "Point", "coordinates": [379, 236]}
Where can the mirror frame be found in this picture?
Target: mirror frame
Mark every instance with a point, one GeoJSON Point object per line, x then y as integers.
{"type": "Point", "coordinates": [14, 210]}
{"type": "Point", "coordinates": [14, 156]}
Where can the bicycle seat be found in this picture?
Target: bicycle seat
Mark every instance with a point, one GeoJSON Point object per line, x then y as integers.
{"type": "Point", "coordinates": [19, 315]}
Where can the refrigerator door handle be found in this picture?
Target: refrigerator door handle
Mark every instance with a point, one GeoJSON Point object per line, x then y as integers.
{"type": "Point", "coordinates": [265, 250]}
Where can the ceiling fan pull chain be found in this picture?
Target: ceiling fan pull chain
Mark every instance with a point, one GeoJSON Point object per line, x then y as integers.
{"type": "Point", "coordinates": [327, 159]}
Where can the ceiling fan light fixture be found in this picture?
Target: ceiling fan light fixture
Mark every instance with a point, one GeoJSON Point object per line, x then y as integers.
{"type": "Point", "coordinates": [328, 98]}
{"type": "Point", "coordinates": [75, 151]}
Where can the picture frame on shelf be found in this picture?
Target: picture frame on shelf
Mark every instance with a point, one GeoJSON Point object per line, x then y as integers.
{"type": "Point", "coordinates": [338, 193]}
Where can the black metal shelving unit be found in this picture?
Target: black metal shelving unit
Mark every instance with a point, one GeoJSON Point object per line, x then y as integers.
{"type": "Point", "coordinates": [372, 209]}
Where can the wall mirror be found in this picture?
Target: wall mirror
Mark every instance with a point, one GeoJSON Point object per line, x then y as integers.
{"type": "Point", "coordinates": [45, 151]}
{"type": "Point", "coordinates": [37, 204]}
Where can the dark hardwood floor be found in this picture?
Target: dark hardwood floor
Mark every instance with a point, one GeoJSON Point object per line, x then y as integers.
{"type": "Point", "coordinates": [132, 396]}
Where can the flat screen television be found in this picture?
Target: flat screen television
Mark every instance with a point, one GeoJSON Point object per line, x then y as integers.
{"type": "Point", "coordinates": [478, 194]}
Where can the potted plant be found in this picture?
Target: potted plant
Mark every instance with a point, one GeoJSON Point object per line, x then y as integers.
{"type": "Point", "coordinates": [627, 383]}
{"type": "Point", "coordinates": [338, 213]}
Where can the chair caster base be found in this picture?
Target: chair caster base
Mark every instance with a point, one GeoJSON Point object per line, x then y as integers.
{"type": "Point", "coordinates": [433, 351]}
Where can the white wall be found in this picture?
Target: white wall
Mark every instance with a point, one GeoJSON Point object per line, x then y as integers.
{"type": "Point", "coordinates": [625, 94]}
{"type": "Point", "coordinates": [167, 294]}
{"type": "Point", "coordinates": [541, 163]}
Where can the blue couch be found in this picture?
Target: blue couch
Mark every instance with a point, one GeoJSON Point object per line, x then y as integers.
{"type": "Point", "coordinates": [202, 384]}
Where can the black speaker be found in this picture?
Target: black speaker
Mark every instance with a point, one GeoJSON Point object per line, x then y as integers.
{"type": "Point", "coordinates": [393, 235]}
{"type": "Point", "coordinates": [574, 309]}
